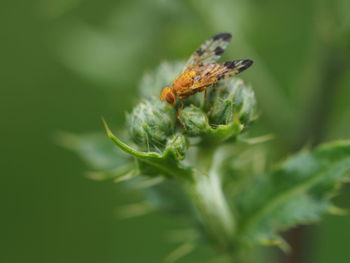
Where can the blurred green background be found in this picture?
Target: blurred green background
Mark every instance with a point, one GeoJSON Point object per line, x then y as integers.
{"type": "Point", "coordinates": [65, 63]}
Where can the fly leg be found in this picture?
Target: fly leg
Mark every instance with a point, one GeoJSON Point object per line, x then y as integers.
{"type": "Point", "coordinates": [179, 114]}
{"type": "Point", "coordinates": [205, 96]}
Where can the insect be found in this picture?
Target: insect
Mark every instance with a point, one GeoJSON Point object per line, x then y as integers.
{"type": "Point", "coordinates": [201, 71]}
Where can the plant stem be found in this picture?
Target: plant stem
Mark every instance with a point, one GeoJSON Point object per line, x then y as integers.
{"type": "Point", "coordinates": [210, 204]}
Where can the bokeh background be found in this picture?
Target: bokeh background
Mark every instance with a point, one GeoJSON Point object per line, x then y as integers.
{"type": "Point", "coordinates": [65, 63]}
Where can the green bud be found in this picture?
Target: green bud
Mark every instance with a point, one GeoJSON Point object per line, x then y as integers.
{"type": "Point", "coordinates": [238, 103]}
{"type": "Point", "coordinates": [194, 121]}
{"type": "Point", "coordinates": [177, 146]}
{"type": "Point", "coordinates": [150, 124]}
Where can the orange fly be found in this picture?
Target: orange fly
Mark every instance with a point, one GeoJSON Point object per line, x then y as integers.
{"type": "Point", "coordinates": [201, 71]}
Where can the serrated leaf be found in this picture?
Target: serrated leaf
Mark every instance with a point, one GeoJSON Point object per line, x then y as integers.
{"type": "Point", "coordinates": [298, 191]}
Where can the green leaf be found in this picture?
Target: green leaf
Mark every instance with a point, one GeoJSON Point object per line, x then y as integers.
{"type": "Point", "coordinates": [153, 163]}
{"type": "Point", "coordinates": [298, 191]}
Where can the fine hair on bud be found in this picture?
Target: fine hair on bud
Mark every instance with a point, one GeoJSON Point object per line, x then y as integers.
{"type": "Point", "coordinates": [150, 124]}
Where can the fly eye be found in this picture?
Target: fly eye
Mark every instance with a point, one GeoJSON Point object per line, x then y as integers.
{"type": "Point", "coordinates": [170, 98]}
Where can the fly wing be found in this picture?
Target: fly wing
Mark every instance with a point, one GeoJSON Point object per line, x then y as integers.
{"type": "Point", "coordinates": [210, 51]}
{"type": "Point", "coordinates": [213, 72]}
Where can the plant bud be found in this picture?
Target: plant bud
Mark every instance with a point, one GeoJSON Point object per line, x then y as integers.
{"type": "Point", "coordinates": [177, 146]}
{"type": "Point", "coordinates": [150, 125]}
{"type": "Point", "coordinates": [194, 121]}
{"type": "Point", "coordinates": [238, 103]}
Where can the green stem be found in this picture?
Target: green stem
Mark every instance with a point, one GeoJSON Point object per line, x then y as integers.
{"type": "Point", "coordinates": [210, 204]}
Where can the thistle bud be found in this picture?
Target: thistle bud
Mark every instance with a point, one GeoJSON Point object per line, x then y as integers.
{"type": "Point", "coordinates": [194, 121]}
{"type": "Point", "coordinates": [150, 124]}
{"type": "Point", "coordinates": [177, 146]}
{"type": "Point", "coordinates": [238, 103]}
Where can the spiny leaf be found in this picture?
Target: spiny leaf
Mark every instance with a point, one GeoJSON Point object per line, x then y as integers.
{"type": "Point", "coordinates": [152, 163]}
{"type": "Point", "coordinates": [296, 192]}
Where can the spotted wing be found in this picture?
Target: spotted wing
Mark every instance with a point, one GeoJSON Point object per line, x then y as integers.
{"type": "Point", "coordinates": [210, 51]}
{"type": "Point", "coordinates": [213, 72]}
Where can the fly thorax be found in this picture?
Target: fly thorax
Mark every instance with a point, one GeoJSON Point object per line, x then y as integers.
{"type": "Point", "coordinates": [185, 80]}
